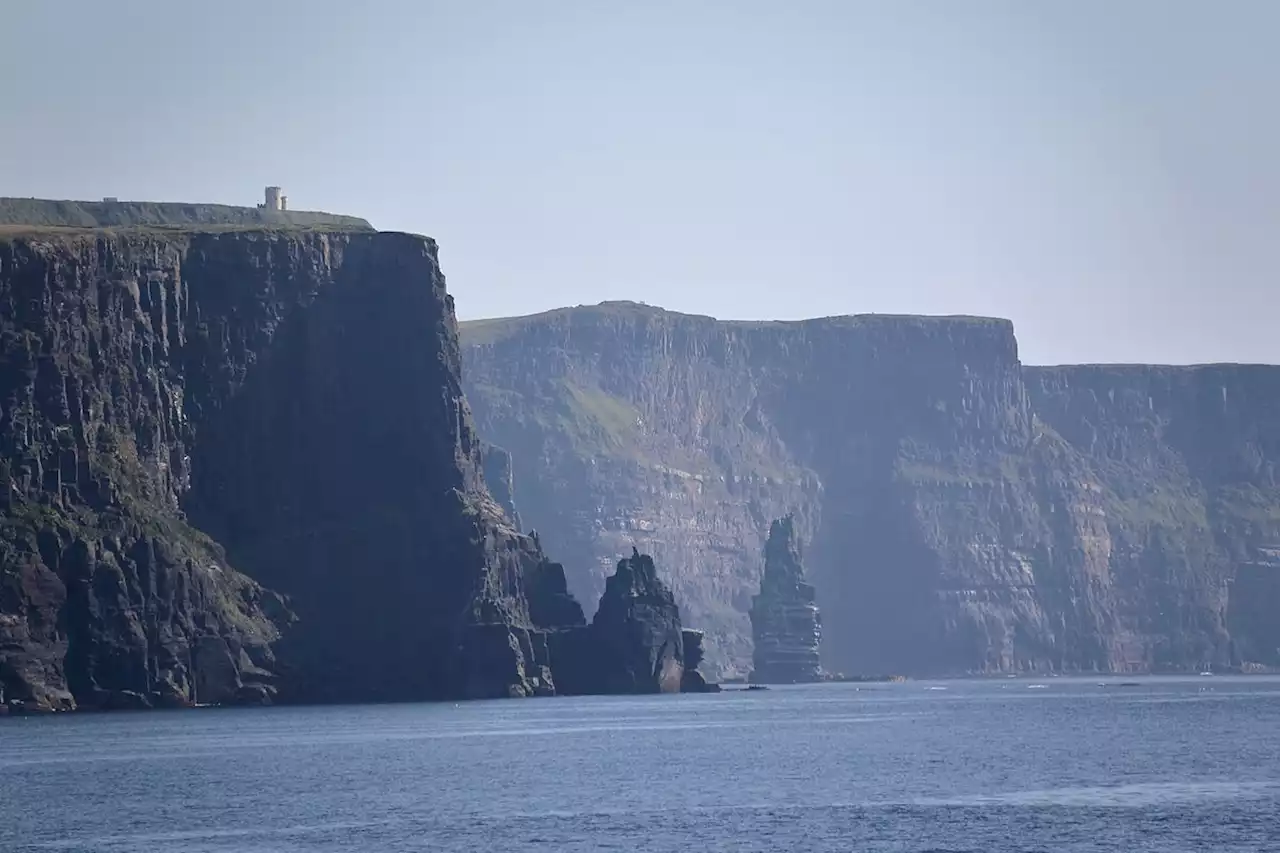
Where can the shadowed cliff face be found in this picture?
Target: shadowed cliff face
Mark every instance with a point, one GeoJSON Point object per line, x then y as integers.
{"type": "Point", "coordinates": [1188, 460]}
{"type": "Point", "coordinates": [179, 409]}
{"type": "Point", "coordinates": [630, 426]}
{"type": "Point", "coordinates": [962, 513]}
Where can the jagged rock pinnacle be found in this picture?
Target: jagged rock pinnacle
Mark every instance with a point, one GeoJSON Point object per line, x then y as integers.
{"type": "Point", "coordinates": [785, 623]}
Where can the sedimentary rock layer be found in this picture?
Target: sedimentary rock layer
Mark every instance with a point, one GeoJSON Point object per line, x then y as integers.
{"type": "Point", "coordinates": [966, 513]}
{"type": "Point", "coordinates": [181, 412]}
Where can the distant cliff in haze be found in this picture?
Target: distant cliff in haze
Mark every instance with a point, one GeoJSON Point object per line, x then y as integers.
{"type": "Point", "coordinates": [967, 513]}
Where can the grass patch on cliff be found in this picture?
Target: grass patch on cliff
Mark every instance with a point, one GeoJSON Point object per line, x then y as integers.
{"type": "Point", "coordinates": [596, 422]}
{"type": "Point", "coordinates": [617, 418]}
{"type": "Point", "coordinates": [1249, 503]}
{"type": "Point", "coordinates": [987, 472]}
{"type": "Point", "coordinates": [1158, 506]}
{"type": "Point", "coordinates": [592, 420]}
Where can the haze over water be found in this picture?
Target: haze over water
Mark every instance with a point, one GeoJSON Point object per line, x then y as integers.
{"type": "Point", "coordinates": [999, 765]}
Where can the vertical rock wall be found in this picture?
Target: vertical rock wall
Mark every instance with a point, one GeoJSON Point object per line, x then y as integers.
{"type": "Point", "coordinates": [180, 412]}
{"type": "Point", "coordinates": [966, 513]}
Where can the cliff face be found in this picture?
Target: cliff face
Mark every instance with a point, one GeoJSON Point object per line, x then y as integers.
{"type": "Point", "coordinates": [1187, 461]}
{"type": "Point", "coordinates": [785, 626]}
{"type": "Point", "coordinates": [496, 468]}
{"type": "Point", "coordinates": [631, 426]}
{"type": "Point", "coordinates": [182, 412]}
{"type": "Point", "coordinates": [965, 513]}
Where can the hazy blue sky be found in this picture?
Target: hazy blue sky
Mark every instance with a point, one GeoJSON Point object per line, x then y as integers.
{"type": "Point", "coordinates": [1107, 174]}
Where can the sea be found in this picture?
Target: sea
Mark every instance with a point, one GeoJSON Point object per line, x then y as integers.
{"type": "Point", "coordinates": [1008, 764]}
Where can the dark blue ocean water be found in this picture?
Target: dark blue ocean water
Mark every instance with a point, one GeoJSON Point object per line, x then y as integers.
{"type": "Point", "coordinates": [1003, 765]}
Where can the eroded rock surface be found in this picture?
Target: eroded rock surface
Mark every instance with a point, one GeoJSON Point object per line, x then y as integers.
{"type": "Point", "coordinates": [496, 465]}
{"type": "Point", "coordinates": [694, 681]}
{"type": "Point", "coordinates": [786, 628]}
{"type": "Point", "coordinates": [965, 513]}
{"type": "Point", "coordinates": [635, 643]}
{"type": "Point", "coordinates": [188, 420]}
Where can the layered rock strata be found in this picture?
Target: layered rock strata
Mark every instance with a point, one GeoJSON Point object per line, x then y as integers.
{"type": "Point", "coordinates": [786, 628]}
{"type": "Point", "coordinates": [191, 419]}
{"type": "Point", "coordinates": [965, 513]}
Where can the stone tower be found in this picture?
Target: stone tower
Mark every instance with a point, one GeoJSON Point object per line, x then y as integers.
{"type": "Point", "coordinates": [276, 199]}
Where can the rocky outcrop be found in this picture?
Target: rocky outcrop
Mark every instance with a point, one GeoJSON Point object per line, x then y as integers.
{"type": "Point", "coordinates": [551, 605]}
{"type": "Point", "coordinates": [694, 681]}
{"type": "Point", "coordinates": [496, 466]}
{"type": "Point", "coordinates": [1004, 518]}
{"type": "Point", "coordinates": [636, 632]}
{"type": "Point", "coordinates": [785, 626]}
{"type": "Point", "coordinates": [635, 643]}
{"type": "Point", "coordinates": [188, 420]}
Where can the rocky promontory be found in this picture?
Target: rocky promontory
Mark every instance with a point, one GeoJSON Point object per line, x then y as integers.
{"type": "Point", "coordinates": [236, 465]}
{"type": "Point", "coordinates": [785, 626]}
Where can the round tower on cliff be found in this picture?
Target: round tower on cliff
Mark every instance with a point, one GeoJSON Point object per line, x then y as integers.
{"type": "Point", "coordinates": [275, 199]}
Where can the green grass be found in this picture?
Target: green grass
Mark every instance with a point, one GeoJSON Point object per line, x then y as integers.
{"type": "Point", "coordinates": [1249, 503]}
{"type": "Point", "coordinates": [33, 213]}
{"type": "Point", "coordinates": [594, 422]}
{"type": "Point", "coordinates": [480, 332]}
{"type": "Point", "coordinates": [614, 416]}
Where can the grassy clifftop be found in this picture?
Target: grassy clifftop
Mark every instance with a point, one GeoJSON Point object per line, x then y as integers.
{"type": "Point", "coordinates": [494, 329]}
{"type": "Point", "coordinates": [50, 213]}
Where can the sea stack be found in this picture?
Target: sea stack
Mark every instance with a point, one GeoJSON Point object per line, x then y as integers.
{"type": "Point", "coordinates": [635, 643]}
{"type": "Point", "coordinates": [785, 624]}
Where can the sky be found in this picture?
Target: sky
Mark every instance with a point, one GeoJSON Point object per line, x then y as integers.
{"type": "Point", "coordinates": [1105, 174]}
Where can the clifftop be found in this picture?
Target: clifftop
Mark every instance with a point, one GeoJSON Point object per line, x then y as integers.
{"type": "Point", "coordinates": [494, 329]}
{"type": "Point", "coordinates": [28, 214]}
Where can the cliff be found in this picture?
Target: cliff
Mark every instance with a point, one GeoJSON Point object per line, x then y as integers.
{"type": "Point", "coordinates": [496, 468]}
{"type": "Point", "coordinates": [966, 513]}
{"type": "Point", "coordinates": [189, 420]}
{"type": "Point", "coordinates": [785, 625]}
{"type": "Point", "coordinates": [1186, 463]}
{"type": "Point", "coordinates": [632, 426]}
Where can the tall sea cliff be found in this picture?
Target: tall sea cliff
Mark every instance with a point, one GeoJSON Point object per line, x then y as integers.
{"type": "Point", "coordinates": [967, 513]}
{"type": "Point", "coordinates": [236, 465]}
